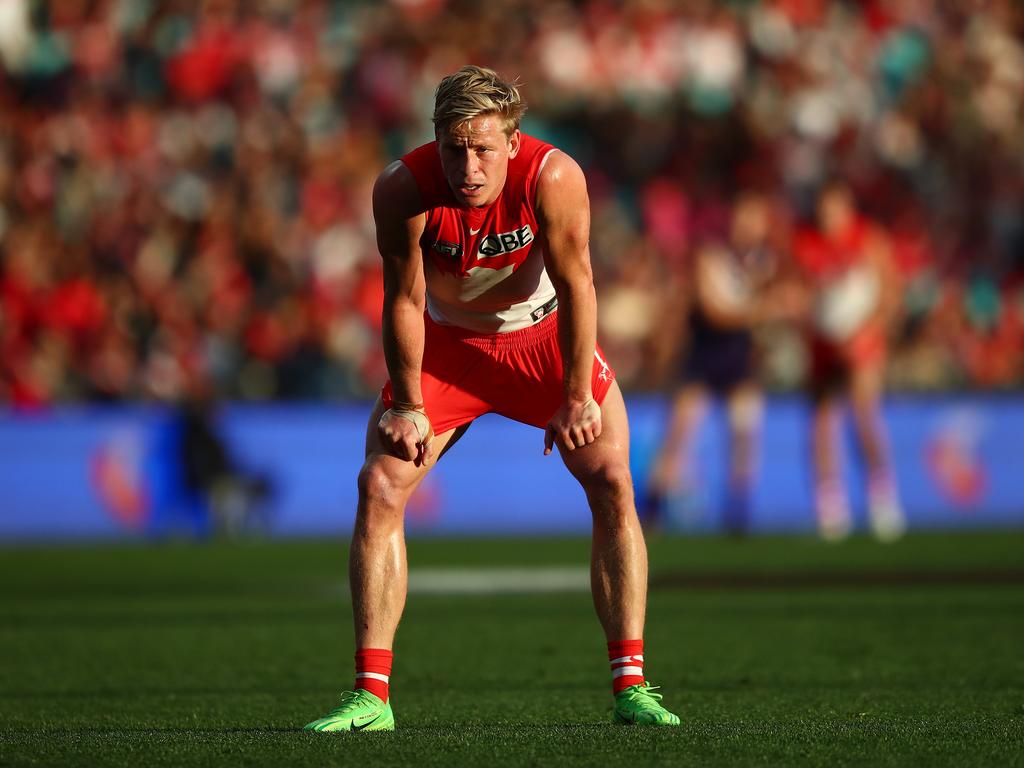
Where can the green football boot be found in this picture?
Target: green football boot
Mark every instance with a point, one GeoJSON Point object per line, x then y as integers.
{"type": "Point", "coordinates": [359, 711]}
{"type": "Point", "coordinates": [638, 705]}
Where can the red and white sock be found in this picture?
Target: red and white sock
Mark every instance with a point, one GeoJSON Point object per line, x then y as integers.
{"type": "Point", "coordinates": [373, 671]}
{"type": "Point", "coordinates": [626, 658]}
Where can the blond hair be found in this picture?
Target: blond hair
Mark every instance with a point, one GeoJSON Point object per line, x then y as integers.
{"type": "Point", "coordinates": [474, 91]}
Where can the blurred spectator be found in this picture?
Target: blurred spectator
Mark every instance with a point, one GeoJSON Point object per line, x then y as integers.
{"type": "Point", "coordinates": [184, 184]}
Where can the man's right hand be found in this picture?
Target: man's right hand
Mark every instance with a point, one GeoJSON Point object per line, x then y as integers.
{"type": "Point", "coordinates": [407, 433]}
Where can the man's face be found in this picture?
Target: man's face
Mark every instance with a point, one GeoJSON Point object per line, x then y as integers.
{"type": "Point", "coordinates": [750, 221]}
{"type": "Point", "coordinates": [474, 156]}
{"type": "Point", "coordinates": [835, 210]}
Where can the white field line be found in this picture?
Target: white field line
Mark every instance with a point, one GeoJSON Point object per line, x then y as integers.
{"type": "Point", "coordinates": [489, 581]}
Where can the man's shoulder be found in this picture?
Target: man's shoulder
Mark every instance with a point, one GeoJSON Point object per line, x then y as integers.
{"type": "Point", "coordinates": [557, 172]}
{"type": "Point", "coordinates": [534, 154]}
{"type": "Point", "coordinates": [558, 164]}
{"type": "Point", "coordinates": [538, 164]}
{"type": "Point", "coordinates": [396, 191]}
{"type": "Point", "coordinates": [423, 167]}
{"type": "Point", "coordinates": [423, 155]}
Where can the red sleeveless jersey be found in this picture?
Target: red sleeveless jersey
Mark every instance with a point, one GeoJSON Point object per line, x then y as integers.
{"type": "Point", "coordinates": [847, 284]}
{"type": "Point", "coordinates": [827, 258]}
{"type": "Point", "coordinates": [483, 266]}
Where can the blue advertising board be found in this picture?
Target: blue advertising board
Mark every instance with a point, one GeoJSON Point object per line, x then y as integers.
{"type": "Point", "coordinates": [117, 472]}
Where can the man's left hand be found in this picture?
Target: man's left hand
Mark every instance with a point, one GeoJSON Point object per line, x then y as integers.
{"type": "Point", "coordinates": [575, 424]}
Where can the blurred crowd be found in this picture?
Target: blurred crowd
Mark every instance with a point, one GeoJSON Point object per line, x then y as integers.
{"type": "Point", "coordinates": [184, 184]}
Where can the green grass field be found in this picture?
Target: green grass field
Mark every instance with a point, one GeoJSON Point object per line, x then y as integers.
{"type": "Point", "coordinates": [775, 651]}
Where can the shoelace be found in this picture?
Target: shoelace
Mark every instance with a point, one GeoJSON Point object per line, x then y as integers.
{"type": "Point", "coordinates": [644, 693]}
{"type": "Point", "coordinates": [350, 700]}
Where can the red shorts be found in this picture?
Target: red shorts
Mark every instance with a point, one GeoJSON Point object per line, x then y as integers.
{"type": "Point", "coordinates": [832, 363]}
{"type": "Point", "coordinates": [516, 374]}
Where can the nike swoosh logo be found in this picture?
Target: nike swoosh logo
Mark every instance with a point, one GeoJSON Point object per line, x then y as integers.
{"type": "Point", "coordinates": [364, 725]}
{"type": "Point", "coordinates": [474, 231]}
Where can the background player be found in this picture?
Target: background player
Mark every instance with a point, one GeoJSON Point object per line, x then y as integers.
{"type": "Point", "coordinates": [489, 306]}
{"type": "Point", "coordinates": [733, 287]}
{"type": "Point", "coordinates": [847, 262]}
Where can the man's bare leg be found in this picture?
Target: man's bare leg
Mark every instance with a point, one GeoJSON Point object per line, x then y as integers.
{"type": "Point", "coordinates": [884, 509]}
{"type": "Point", "coordinates": [673, 459]}
{"type": "Point", "coordinates": [618, 562]}
{"type": "Point", "coordinates": [745, 408]}
{"type": "Point", "coordinates": [618, 565]}
{"type": "Point", "coordinates": [378, 578]}
{"type": "Point", "coordinates": [831, 506]}
{"type": "Point", "coordinates": [378, 572]}
{"type": "Point", "coordinates": [865, 404]}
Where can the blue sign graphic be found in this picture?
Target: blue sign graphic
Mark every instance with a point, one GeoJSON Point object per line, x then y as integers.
{"type": "Point", "coordinates": [118, 472]}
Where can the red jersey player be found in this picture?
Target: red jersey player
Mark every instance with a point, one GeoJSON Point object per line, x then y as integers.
{"type": "Point", "coordinates": [847, 262]}
{"type": "Point", "coordinates": [489, 306]}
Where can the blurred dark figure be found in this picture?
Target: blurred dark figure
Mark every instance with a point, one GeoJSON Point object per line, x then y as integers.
{"type": "Point", "coordinates": [236, 501]}
{"type": "Point", "coordinates": [735, 286]}
{"type": "Point", "coordinates": [848, 265]}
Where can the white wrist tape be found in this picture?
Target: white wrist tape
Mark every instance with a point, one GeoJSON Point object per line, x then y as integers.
{"type": "Point", "coordinates": [419, 419]}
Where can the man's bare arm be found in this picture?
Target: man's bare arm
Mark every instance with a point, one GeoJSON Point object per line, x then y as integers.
{"type": "Point", "coordinates": [712, 290]}
{"type": "Point", "coordinates": [879, 255]}
{"type": "Point", "coordinates": [563, 210]}
{"type": "Point", "coordinates": [399, 219]}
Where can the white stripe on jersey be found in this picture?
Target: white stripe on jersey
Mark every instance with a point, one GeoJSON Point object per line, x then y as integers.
{"type": "Point", "coordinates": [544, 160]}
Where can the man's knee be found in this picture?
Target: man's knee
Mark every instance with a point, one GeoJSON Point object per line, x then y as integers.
{"type": "Point", "coordinates": [745, 413]}
{"type": "Point", "coordinates": [865, 413]}
{"type": "Point", "coordinates": [380, 491]}
{"type": "Point", "coordinates": [610, 480]}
